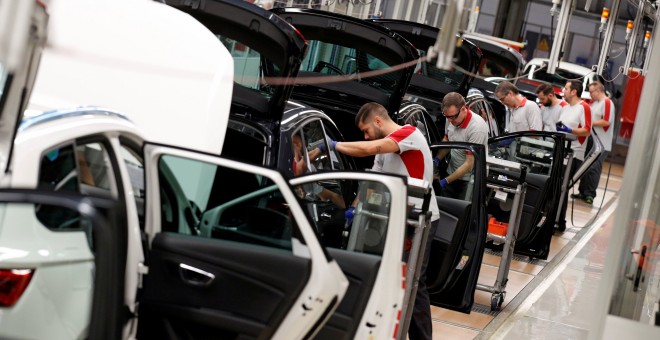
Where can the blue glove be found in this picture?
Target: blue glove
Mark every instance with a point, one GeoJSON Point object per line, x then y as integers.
{"type": "Point", "coordinates": [505, 142]}
{"type": "Point", "coordinates": [563, 128]}
{"type": "Point", "coordinates": [443, 183]}
{"type": "Point", "coordinates": [331, 144]}
{"type": "Point", "coordinates": [349, 214]}
{"type": "Point", "coordinates": [436, 161]}
{"type": "Point", "coordinates": [322, 147]}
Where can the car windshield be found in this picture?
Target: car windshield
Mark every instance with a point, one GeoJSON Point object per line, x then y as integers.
{"type": "Point", "coordinates": [493, 65]}
{"type": "Point", "coordinates": [452, 77]}
{"type": "Point", "coordinates": [331, 59]}
{"type": "Point", "coordinates": [558, 79]}
{"type": "Point", "coordinates": [251, 66]}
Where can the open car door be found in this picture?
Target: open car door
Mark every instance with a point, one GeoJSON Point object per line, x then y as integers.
{"type": "Point", "coordinates": [100, 222]}
{"type": "Point", "coordinates": [231, 254]}
{"type": "Point", "coordinates": [369, 249]}
{"type": "Point", "coordinates": [540, 152]}
{"type": "Point", "coordinates": [459, 242]}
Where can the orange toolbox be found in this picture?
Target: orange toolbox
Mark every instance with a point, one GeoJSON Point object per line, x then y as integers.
{"type": "Point", "coordinates": [496, 227]}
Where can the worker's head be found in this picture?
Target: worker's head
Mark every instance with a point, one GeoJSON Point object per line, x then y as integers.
{"type": "Point", "coordinates": [573, 91]}
{"type": "Point", "coordinates": [546, 94]}
{"type": "Point", "coordinates": [374, 122]}
{"type": "Point", "coordinates": [597, 90]}
{"type": "Point", "coordinates": [454, 108]}
{"type": "Point", "coordinates": [297, 142]}
{"type": "Point", "coordinates": [506, 93]}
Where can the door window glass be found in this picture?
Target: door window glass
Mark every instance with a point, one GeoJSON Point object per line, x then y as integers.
{"type": "Point", "coordinates": [366, 231]}
{"type": "Point", "coordinates": [213, 201]}
{"type": "Point", "coordinates": [83, 168]}
{"type": "Point", "coordinates": [481, 108]}
{"type": "Point", "coordinates": [455, 161]}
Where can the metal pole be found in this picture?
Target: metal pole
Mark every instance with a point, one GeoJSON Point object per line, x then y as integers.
{"type": "Point", "coordinates": [607, 39]}
{"type": "Point", "coordinates": [560, 35]}
{"type": "Point", "coordinates": [649, 48]}
{"type": "Point", "coordinates": [633, 38]}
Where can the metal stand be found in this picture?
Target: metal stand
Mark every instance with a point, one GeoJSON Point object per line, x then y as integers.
{"type": "Point", "coordinates": [419, 218]}
{"type": "Point", "coordinates": [564, 185]}
{"type": "Point", "coordinates": [518, 188]}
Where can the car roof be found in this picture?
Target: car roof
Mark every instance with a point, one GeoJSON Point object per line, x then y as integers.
{"type": "Point", "coordinates": [174, 81]}
{"type": "Point", "coordinates": [574, 68]}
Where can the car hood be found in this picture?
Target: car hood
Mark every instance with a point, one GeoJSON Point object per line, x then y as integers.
{"type": "Point", "coordinates": [167, 73]}
{"type": "Point", "coordinates": [267, 51]}
{"type": "Point", "coordinates": [435, 81]}
{"type": "Point", "coordinates": [369, 40]}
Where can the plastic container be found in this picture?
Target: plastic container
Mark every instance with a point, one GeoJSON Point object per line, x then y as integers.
{"type": "Point", "coordinates": [496, 227]}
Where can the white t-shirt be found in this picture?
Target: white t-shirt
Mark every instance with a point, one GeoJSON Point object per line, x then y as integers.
{"type": "Point", "coordinates": [604, 109]}
{"type": "Point", "coordinates": [473, 129]}
{"type": "Point", "coordinates": [550, 116]}
{"type": "Point", "coordinates": [526, 117]}
{"type": "Point", "coordinates": [577, 116]}
{"type": "Point", "coordinates": [413, 159]}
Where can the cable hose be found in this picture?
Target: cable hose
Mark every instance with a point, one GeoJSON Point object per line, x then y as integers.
{"type": "Point", "coordinates": [607, 181]}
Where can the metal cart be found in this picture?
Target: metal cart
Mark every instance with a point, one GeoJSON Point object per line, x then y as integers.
{"type": "Point", "coordinates": [502, 185]}
{"type": "Point", "coordinates": [419, 219]}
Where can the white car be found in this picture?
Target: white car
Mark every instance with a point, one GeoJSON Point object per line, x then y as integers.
{"type": "Point", "coordinates": [536, 74]}
{"type": "Point", "coordinates": [208, 247]}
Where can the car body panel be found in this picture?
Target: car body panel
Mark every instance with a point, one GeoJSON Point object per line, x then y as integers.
{"type": "Point", "coordinates": [565, 71]}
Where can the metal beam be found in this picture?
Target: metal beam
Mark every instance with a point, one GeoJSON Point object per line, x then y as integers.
{"type": "Point", "coordinates": [633, 39]}
{"type": "Point", "coordinates": [607, 39]}
{"type": "Point", "coordinates": [560, 34]}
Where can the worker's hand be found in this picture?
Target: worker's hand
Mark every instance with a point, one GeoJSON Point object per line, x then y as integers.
{"type": "Point", "coordinates": [505, 142]}
{"type": "Point", "coordinates": [563, 128]}
{"type": "Point", "coordinates": [443, 183]}
{"type": "Point", "coordinates": [331, 144]}
{"type": "Point", "coordinates": [436, 161]}
{"type": "Point", "coordinates": [349, 214]}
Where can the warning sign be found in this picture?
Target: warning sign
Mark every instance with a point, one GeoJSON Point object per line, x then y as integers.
{"type": "Point", "coordinates": [544, 43]}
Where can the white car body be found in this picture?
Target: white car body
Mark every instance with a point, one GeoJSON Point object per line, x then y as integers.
{"type": "Point", "coordinates": [586, 74]}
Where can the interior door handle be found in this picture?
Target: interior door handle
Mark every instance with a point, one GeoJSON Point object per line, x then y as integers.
{"type": "Point", "coordinates": [195, 276]}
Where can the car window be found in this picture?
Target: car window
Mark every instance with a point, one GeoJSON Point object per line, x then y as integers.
{"type": "Point", "coordinates": [558, 79]}
{"type": "Point", "coordinates": [366, 231]}
{"type": "Point", "coordinates": [332, 59]}
{"type": "Point", "coordinates": [534, 152]}
{"type": "Point", "coordinates": [451, 161]}
{"type": "Point", "coordinates": [481, 108]}
{"type": "Point", "coordinates": [135, 167]}
{"type": "Point", "coordinates": [82, 168]}
{"type": "Point", "coordinates": [493, 65]}
{"type": "Point", "coordinates": [453, 77]}
{"type": "Point", "coordinates": [249, 66]}
{"type": "Point", "coordinates": [211, 201]}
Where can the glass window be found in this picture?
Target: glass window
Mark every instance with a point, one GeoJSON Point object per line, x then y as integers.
{"type": "Point", "coordinates": [453, 77]}
{"type": "Point", "coordinates": [251, 66]}
{"type": "Point", "coordinates": [451, 161]}
{"type": "Point", "coordinates": [83, 168]}
{"type": "Point", "coordinates": [535, 152]}
{"type": "Point", "coordinates": [331, 59]}
{"type": "Point", "coordinates": [481, 108]}
{"type": "Point", "coordinates": [366, 232]}
{"type": "Point", "coordinates": [216, 202]}
{"type": "Point", "coordinates": [493, 65]}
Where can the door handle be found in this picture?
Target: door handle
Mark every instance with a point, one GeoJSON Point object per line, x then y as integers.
{"type": "Point", "coordinates": [195, 276]}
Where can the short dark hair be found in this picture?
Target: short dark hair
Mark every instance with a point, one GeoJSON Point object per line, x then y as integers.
{"type": "Point", "coordinates": [598, 85]}
{"type": "Point", "coordinates": [453, 99]}
{"type": "Point", "coordinates": [368, 110]}
{"type": "Point", "coordinates": [544, 88]}
{"type": "Point", "coordinates": [575, 85]}
{"type": "Point", "coordinates": [506, 87]}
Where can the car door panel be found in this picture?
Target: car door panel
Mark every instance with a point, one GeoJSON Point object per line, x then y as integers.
{"type": "Point", "coordinates": [223, 272]}
{"type": "Point", "coordinates": [369, 250]}
{"type": "Point", "coordinates": [361, 271]}
{"type": "Point", "coordinates": [544, 178]}
{"type": "Point", "coordinates": [458, 244]}
{"type": "Point", "coordinates": [261, 277]}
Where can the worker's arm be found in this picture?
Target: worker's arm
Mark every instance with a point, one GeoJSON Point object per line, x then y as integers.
{"type": "Point", "coordinates": [367, 148]}
{"type": "Point", "coordinates": [463, 169]}
{"type": "Point", "coordinates": [581, 132]}
{"type": "Point", "coordinates": [601, 123]}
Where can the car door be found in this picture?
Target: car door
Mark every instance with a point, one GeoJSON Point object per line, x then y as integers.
{"type": "Point", "coordinates": [480, 105]}
{"type": "Point", "coordinates": [458, 245]}
{"type": "Point", "coordinates": [231, 253]}
{"type": "Point", "coordinates": [539, 151]}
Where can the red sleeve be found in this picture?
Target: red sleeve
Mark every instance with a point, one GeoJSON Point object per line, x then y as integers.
{"type": "Point", "coordinates": [587, 115]}
{"type": "Point", "coordinates": [608, 110]}
{"type": "Point", "coordinates": [402, 133]}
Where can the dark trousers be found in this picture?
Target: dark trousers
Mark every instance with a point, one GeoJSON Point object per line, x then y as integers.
{"type": "Point", "coordinates": [590, 180]}
{"type": "Point", "coordinates": [456, 189]}
{"type": "Point", "coordinates": [562, 213]}
{"type": "Point", "coordinates": [420, 324]}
